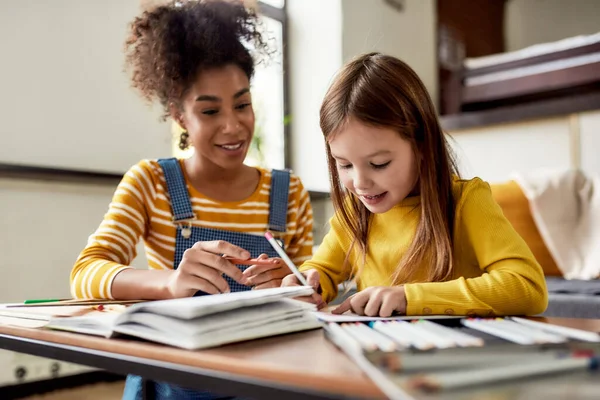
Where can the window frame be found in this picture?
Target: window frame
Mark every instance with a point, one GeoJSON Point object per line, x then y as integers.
{"type": "Point", "coordinates": [280, 15]}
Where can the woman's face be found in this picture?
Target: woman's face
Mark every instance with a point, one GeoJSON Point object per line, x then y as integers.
{"type": "Point", "coordinates": [218, 116]}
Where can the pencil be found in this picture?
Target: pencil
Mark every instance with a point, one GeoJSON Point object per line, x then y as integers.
{"type": "Point", "coordinates": [366, 342]}
{"type": "Point", "coordinates": [537, 335]}
{"type": "Point", "coordinates": [383, 342]}
{"type": "Point", "coordinates": [572, 333]}
{"type": "Point", "coordinates": [286, 258]}
{"type": "Point", "coordinates": [460, 339]}
{"type": "Point", "coordinates": [429, 332]}
{"type": "Point", "coordinates": [484, 326]}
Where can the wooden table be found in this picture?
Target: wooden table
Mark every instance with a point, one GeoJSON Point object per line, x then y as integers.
{"type": "Point", "coordinates": [296, 366]}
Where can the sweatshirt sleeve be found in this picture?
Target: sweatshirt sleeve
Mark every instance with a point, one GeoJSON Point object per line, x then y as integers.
{"type": "Point", "coordinates": [329, 260]}
{"type": "Point", "coordinates": [512, 282]}
{"type": "Point", "coordinates": [112, 247]}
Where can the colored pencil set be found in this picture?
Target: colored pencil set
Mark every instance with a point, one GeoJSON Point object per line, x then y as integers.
{"type": "Point", "coordinates": [432, 355]}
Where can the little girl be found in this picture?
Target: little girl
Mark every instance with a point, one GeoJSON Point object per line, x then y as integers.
{"type": "Point", "coordinates": [415, 237]}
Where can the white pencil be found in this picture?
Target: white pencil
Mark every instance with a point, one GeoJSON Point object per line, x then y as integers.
{"type": "Point", "coordinates": [342, 338]}
{"type": "Point", "coordinates": [461, 339]}
{"type": "Point", "coordinates": [383, 342]}
{"type": "Point", "coordinates": [382, 327]}
{"type": "Point", "coordinates": [365, 341]}
{"type": "Point", "coordinates": [404, 330]}
{"type": "Point", "coordinates": [538, 335]}
{"type": "Point", "coordinates": [429, 332]}
{"type": "Point", "coordinates": [572, 333]}
{"type": "Point", "coordinates": [484, 325]}
{"type": "Point", "coordinates": [286, 259]}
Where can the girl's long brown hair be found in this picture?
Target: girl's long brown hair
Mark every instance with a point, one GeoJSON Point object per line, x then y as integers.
{"type": "Point", "coordinates": [382, 91]}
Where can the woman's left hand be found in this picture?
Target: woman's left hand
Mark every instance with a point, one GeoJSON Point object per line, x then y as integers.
{"type": "Point", "coordinates": [382, 301]}
{"type": "Point", "coordinates": [266, 276]}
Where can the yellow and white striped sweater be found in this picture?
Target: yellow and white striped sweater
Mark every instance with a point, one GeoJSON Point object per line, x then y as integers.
{"type": "Point", "coordinates": [140, 208]}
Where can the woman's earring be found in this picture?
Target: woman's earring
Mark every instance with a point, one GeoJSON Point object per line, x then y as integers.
{"type": "Point", "coordinates": [183, 140]}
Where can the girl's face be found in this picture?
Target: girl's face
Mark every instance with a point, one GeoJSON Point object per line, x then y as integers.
{"type": "Point", "coordinates": [375, 164]}
{"type": "Point", "coordinates": [218, 116]}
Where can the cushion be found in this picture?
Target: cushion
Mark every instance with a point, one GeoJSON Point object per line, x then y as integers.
{"type": "Point", "coordinates": [515, 207]}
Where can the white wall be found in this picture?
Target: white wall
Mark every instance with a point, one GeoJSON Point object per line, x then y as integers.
{"type": "Point", "coordinates": [325, 34]}
{"type": "Point", "coordinates": [409, 34]}
{"type": "Point", "coordinates": [494, 153]}
{"type": "Point", "coordinates": [315, 52]}
{"type": "Point", "coordinates": [66, 101]}
{"type": "Point", "coordinates": [589, 137]}
{"type": "Point", "coordinates": [45, 225]}
{"type": "Point", "coordinates": [529, 22]}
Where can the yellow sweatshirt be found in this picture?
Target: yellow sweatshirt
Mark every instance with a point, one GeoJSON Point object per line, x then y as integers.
{"type": "Point", "coordinates": [495, 272]}
{"type": "Point", "coordinates": [140, 209]}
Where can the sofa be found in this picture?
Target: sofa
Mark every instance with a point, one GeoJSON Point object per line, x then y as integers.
{"type": "Point", "coordinates": [567, 298]}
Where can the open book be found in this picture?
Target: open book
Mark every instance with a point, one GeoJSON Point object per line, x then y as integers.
{"type": "Point", "coordinates": [206, 321]}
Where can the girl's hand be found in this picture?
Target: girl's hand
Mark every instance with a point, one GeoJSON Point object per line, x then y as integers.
{"type": "Point", "coordinates": [202, 268]}
{"type": "Point", "coordinates": [266, 276]}
{"type": "Point", "coordinates": [382, 301]}
{"type": "Point", "coordinates": [312, 277]}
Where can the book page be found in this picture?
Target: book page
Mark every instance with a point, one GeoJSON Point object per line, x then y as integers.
{"type": "Point", "coordinates": [194, 307]}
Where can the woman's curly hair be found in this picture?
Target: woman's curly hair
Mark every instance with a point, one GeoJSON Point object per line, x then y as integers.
{"type": "Point", "coordinates": [170, 44]}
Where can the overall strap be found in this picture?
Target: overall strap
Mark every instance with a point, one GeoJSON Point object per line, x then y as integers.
{"type": "Point", "coordinates": [278, 200]}
{"type": "Point", "coordinates": [180, 198]}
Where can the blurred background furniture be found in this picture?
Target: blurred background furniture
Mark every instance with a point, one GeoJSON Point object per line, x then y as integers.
{"type": "Point", "coordinates": [567, 298]}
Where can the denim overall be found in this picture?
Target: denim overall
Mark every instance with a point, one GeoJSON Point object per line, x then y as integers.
{"type": "Point", "coordinates": [137, 388]}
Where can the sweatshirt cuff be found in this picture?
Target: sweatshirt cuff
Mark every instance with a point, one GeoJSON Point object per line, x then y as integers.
{"type": "Point", "coordinates": [420, 302]}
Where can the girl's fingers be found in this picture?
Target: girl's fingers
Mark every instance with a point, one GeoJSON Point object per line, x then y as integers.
{"type": "Point", "coordinates": [358, 303]}
{"type": "Point", "coordinates": [343, 307]}
{"type": "Point", "coordinates": [290, 280]}
{"type": "Point", "coordinates": [313, 279]}
{"type": "Point", "coordinates": [387, 308]}
{"type": "Point", "coordinates": [373, 306]}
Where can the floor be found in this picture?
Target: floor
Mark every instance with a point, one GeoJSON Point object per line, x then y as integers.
{"type": "Point", "coordinates": [99, 391]}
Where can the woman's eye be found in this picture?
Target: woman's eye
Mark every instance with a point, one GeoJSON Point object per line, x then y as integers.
{"type": "Point", "coordinates": [242, 106]}
{"type": "Point", "coordinates": [345, 166]}
{"type": "Point", "coordinates": [210, 112]}
{"type": "Point", "coordinates": [380, 166]}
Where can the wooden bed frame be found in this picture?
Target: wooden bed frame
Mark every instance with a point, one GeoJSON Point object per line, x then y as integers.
{"type": "Point", "coordinates": [456, 98]}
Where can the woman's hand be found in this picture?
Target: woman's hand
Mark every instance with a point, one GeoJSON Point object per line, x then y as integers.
{"type": "Point", "coordinates": [202, 268]}
{"type": "Point", "coordinates": [382, 301]}
{"type": "Point", "coordinates": [312, 277]}
{"type": "Point", "coordinates": [266, 276]}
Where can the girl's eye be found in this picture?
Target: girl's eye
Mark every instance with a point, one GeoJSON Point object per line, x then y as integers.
{"type": "Point", "coordinates": [380, 166]}
{"type": "Point", "coordinates": [344, 166]}
{"type": "Point", "coordinates": [210, 112]}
